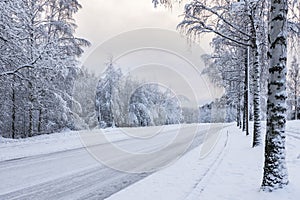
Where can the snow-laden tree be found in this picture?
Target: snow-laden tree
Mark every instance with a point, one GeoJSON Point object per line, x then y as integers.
{"type": "Point", "coordinates": [106, 89]}
{"type": "Point", "coordinates": [172, 108]}
{"type": "Point", "coordinates": [205, 113]}
{"type": "Point", "coordinates": [151, 105]}
{"type": "Point", "coordinates": [38, 62]}
{"type": "Point", "coordinates": [275, 171]}
{"type": "Point", "coordinates": [84, 99]}
{"type": "Point", "coordinates": [126, 87]}
{"type": "Point", "coordinates": [124, 101]}
{"type": "Point", "coordinates": [226, 69]}
{"type": "Point", "coordinates": [140, 115]}
{"type": "Point", "coordinates": [294, 23]}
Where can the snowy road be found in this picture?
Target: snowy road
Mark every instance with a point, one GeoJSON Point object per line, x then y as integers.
{"type": "Point", "coordinates": [75, 174]}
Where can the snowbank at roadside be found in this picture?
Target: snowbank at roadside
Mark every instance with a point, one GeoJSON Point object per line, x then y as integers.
{"type": "Point", "coordinates": [42, 144]}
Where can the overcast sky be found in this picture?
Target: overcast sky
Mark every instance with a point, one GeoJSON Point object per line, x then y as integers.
{"type": "Point", "coordinates": [100, 21]}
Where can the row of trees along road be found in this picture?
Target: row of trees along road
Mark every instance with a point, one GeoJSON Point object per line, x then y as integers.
{"type": "Point", "coordinates": [38, 66]}
{"type": "Point", "coordinates": [250, 47]}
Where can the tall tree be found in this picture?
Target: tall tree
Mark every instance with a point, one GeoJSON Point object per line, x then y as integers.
{"type": "Point", "coordinates": [225, 70]}
{"type": "Point", "coordinates": [293, 85]}
{"type": "Point", "coordinates": [246, 92]}
{"type": "Point", "coordinates": [275, 171]}
{"type": "Point", "coordinates": [105, 92]}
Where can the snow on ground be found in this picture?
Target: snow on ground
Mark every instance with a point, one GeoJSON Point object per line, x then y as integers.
{"type": "Point", "coordinates": [75, 174]}
{"type": "Point", "coordinates": [176, 181]}
{"type": "Point", "coordinates": [43, 144]}
{"type": "Point", "coordinates": [232, 171]}
{"type": "Point", "coordinates": [293, 126]}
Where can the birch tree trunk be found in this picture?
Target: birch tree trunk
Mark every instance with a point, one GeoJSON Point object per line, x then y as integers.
{"type": "Point", "coordinates": [275, 172]}
{"type": "Point", "coordinates": [246, 94]}
{"type": "Point", "coordinates": [256, 82]}
{"type": "Point", "coordinates": [257, 140]}
{"type": "Point", "coordinates": [13, 112]}
{"type": "Point", "coordinates": [40, 121]}
{"type": "Point", "coordinates": [296, 99]}
{"type": "Point", "coordinates": [238, 113]}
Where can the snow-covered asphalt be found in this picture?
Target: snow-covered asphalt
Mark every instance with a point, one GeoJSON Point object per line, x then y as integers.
{"type": "Point", "coordinates": [75, 174]}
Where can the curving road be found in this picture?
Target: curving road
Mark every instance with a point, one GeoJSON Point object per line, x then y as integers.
{"type": "Point", "coordinates": [75, 174]}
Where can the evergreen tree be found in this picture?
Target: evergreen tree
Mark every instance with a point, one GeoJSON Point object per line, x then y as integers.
{"type": "Point", "coordinates": [104, 95]}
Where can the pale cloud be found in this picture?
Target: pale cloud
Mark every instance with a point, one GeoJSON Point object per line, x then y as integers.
{"type": "Point", "coordinates": [101, 20]}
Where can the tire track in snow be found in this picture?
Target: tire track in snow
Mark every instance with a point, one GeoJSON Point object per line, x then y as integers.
{"type": "Point", "coordinates": [200, 185]}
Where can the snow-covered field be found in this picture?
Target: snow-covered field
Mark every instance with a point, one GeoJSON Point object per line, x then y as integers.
{"type": "Point", "coordinates": [57, 166]}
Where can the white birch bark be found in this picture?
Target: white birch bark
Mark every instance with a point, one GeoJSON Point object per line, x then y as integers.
{"type": "Point", "coordinates": [275, 170]}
